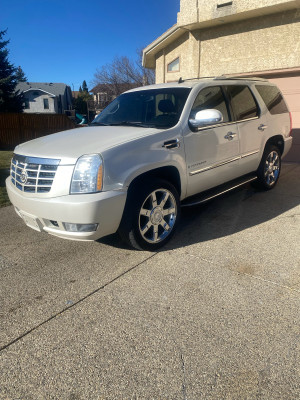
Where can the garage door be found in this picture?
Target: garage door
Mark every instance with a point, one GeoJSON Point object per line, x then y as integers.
{"type": "Point", "coordinates": [290, 88]}
{"type": "Point", "coordinates": [288, 82]}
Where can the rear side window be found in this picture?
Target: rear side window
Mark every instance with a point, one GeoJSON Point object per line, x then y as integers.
{"type": "Point", "coordinates": [242, 102]}
{"type": "Point", "coordinates": [272, 98]}
{"type": "Point", "coordinates": [210, 97]}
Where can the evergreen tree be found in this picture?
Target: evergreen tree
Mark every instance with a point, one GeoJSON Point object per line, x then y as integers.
{"type": "Point", "coordinates": [81, 101]}
{"type": "Point", "coordinates": [10, 101]}
{"type": "Point", "coordinates": [20, 75]}
{"type": "Point", "coordinates": [84, 87]}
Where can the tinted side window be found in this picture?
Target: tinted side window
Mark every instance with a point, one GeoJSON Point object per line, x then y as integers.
{"type": "Point", "coordinates": [272, 99]}
{"type": "Point", "coordinates": [242, 102]}
{"type": "Point", "coordinates": [210, 97]}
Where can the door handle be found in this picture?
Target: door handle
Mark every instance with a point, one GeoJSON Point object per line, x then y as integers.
{"type": "Point", "coordinates": [171, 144]}
{"type": "Point", "coordinates": [230, 135]}
{"type": "Point", "coordinates": [262, 127]}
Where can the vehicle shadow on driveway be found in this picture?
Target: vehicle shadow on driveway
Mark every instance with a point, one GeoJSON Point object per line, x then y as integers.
{"type": "Point", "coordinates": [238, 210]}
{"type": "Point", "coordinates": [233, 212]}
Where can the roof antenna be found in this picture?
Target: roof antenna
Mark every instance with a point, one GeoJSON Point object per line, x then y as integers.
{"type": "Point", "coordinates": [180, 80]}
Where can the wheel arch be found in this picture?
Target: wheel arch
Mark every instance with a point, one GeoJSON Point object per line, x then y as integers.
{"type": "Point", "coordinates": [168, 173]}
{"type": "Point", "coordinates": [277, 141]}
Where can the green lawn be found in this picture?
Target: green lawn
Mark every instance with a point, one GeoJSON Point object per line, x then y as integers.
{"type": "Point", "coordinates": [5, 157]}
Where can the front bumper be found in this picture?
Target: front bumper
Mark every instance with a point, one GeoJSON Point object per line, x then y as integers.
{"type": "Point", "coordinates": [104, 209]}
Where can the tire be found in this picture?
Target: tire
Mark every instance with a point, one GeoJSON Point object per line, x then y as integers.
{"type": "Point", "coordinates": [269, 169]}
{"type": "Point", "coordinates": [151, 215]}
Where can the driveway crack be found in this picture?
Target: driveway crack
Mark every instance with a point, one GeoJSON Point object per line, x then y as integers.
{"type": "Point", "coordinates": [74, 304]}
{"type": "Point", "coordinates": [183, 380]}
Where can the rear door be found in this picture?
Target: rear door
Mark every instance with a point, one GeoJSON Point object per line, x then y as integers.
{"type": "Point", "coordinates": [251, 123]}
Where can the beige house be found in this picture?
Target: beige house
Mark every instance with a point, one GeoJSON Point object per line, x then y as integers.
{"type": "Point", "coordinates": [238, 37]}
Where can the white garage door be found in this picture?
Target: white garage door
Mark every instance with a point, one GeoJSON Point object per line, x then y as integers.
{"type": "Point", "coordinates": [290, 88]}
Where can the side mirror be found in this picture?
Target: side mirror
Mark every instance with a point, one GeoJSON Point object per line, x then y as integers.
{"type": "Point", "coordinates": [205, 118]}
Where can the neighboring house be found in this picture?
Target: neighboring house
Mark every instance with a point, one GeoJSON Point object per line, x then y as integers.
{"type": "Point", "coordinates": [46, 98]}
{"type": "Point", "coordinates": [238, 37]}
{"type": "Point", "coordinates": [75, 94]}
{"type": "Point", "coordinates": [106, 93]}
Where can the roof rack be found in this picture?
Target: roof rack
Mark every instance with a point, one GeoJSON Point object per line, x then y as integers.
{"type": "Point", "coordinates": [224, 77]}
{"type": "Point", "coordinates": [180, 80]}
{"type": "Point", "coordinates": [241, 78]}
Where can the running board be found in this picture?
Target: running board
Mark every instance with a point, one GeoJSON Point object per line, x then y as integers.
{"type": "Point", "coordinates": [217, 191]}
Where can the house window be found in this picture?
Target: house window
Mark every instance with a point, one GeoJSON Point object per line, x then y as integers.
{"type": "Point", "coordinates": [46, 104]}
{"type": "Point", "coordinates": [174, 65]}
{"type": "Point", "coordinates": [26, 104]}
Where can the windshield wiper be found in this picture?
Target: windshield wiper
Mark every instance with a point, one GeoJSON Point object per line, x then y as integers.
{"type": "Point", "coordinates": [129, 123]}
{"type": "Point", "coordinates": [98, 124]}
{"type": "Point", "coordinates": [125, 123]}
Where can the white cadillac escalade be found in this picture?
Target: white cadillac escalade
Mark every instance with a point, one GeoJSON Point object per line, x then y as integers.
{"type": "Point", "coordinates": [151, 151]}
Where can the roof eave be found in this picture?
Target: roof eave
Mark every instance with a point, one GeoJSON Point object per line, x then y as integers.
{"type": "Point", "coordinates": [36, 89]}
{"type": "Point", "coordinates": [160, 43]}
{"type": "Point", "coordinates": [177, 30]}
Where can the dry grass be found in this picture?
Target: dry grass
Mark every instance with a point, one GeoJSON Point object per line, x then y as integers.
{"type": "Point", "coordinates": [5, 157]}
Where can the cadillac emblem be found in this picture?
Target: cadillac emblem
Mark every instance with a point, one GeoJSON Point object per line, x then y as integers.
{"type": "Point", "coordinates": [23, 177]}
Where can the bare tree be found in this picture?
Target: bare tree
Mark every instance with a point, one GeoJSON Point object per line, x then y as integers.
{"type": "Point", "coordinates": [121, 75]}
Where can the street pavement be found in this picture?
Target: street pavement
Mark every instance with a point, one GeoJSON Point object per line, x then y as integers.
{"type": "Point", "coordinates": [213, 315]}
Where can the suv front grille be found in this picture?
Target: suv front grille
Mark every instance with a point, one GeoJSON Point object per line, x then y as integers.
{"type": "Point", "coordinates": [32, 174]}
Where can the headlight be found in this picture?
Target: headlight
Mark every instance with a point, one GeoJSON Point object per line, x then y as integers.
{"type": "Point", "coordinates": [87, 175]}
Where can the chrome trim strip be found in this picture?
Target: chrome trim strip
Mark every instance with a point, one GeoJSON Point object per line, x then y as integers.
{"type": "Point", "coordinates": [214, 166]}
{"type": "Point", "coordinates": [245, 120]}
{"type": "Point", "coordinates": [250, 154]}
{"type": "Point", "coordinates": [219, 194]}
{"type": "Point", "coordinates": [226, 123]}
{"type": "Point", "coordinates": [36, 160]}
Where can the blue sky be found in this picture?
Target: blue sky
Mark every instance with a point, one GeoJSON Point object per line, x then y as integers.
{"type": "Point", "coordinates": [60, 41]}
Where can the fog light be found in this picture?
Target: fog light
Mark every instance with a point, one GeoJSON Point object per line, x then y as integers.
{"type": "Point", "coordinates": [54, 223]}
{"type": "Point", "coordinates": [80, 227]}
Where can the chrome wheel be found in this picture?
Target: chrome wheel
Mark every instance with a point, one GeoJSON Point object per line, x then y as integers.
{"type": "Point", "coordinates": [157, 216]}
{"type": "Point", "coordinates": [269, 168]}
{"type": "Point", "coordinates": [151, 214]}
{"type": "Point", "coordinates": [272, 168]}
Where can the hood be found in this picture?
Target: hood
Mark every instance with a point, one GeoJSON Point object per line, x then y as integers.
{"type": "Point", "coordinates": [71, 144]}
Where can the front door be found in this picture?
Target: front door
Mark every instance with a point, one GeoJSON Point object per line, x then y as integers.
{"type": "Point", "coordinates": [212, 153]}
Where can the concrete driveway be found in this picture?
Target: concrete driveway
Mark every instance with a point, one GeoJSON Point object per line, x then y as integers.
{"type": "Point", "coordinates": [214, 315]}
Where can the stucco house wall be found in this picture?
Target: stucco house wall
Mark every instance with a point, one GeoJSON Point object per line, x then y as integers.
{"type": "Point", "coordinates": [269, 42]}
{"type": "Point", "coordinates": [209, 12]}
{"type": "Point", "coordinates": [264, 43]}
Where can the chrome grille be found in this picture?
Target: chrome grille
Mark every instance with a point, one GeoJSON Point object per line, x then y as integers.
{"type": "Point", "coordinates": [33, 174]}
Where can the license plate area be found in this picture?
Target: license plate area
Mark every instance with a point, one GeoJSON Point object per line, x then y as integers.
{"type": "Point", "coordinates": [31, 221]}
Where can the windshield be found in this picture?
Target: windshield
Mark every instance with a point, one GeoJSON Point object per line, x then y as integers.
{"type": "Point", "coordinates": [158, 108]}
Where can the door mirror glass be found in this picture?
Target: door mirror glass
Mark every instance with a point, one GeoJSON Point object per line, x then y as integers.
{"type": "Point", "coordinates": [205, 118]}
